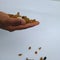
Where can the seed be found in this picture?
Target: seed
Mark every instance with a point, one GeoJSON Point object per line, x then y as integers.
{"type": "Point", "coordinates": [35, 52]}
{"type": "Point", "coordinates": [41, 58]}
{"type": "Point", "coordinates": [29, 59]}
{"type": "Point", "coordinates": [29, 48]}
{"type": "Point", "coordinates": [19, 54]}
{"type": "Point", "coordinates": [45, 58]}
{"type": "Point", "coordinates": [39, 48]}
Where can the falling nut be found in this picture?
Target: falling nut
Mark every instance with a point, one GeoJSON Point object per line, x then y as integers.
{"type": "Point", "coordinates": [41, 58]}
{"type": "Point", "coordinates": [29, 59]}
{"type": "Point", "coordinates": [45, 58]}
{"type": "Point", "coordinates": [36, 52]}
{"type": "Point", "coordinates": [29, 48]}
{"type": "Point", "coordinates": [19, 54]}
{"type": "Point", "coordinates": [39, 48]}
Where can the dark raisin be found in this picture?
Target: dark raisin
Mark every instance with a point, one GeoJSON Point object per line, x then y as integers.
{"type": "Point", "coordinates": [29, 47]}
{"type": "Point", "coordinates": [35, 52]}
{"type": "Point", "coordinates": [45, 58]}
{"type": "Point", "coordinates": [41, 58]}
{"type": "Point", "coordinates": [39, 48]}
{"type": "Point", "coordinates": [19, 54]}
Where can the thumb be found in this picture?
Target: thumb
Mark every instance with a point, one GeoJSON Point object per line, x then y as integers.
{"type": "Point", "coordinates": [16, 21]}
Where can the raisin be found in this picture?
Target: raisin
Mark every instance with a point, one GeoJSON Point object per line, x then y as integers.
{"type": "Point", "coordinates": [19, 54]}
{"type": "Point", "coordinates": [29, 48]}
{"type": "Point", "coordinates": [35, 52]}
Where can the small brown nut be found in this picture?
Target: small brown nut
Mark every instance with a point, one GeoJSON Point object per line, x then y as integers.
{"type": "Point", "coordinates": [39, 48]}
{"type": "Point", "coordinates": [36, 52]}
{"type": "Point", "coordinates": [24, 16]}
{"type": "Point", "coordinates": [41, 58]}
{"type": "Point", "coordinates": [45, 58]}
{"type": "Point", "coordinates": [29, 48]}
{"type": "Point", "coordinates": [29, 59]}
{"type": "Point", "coordinates": [26, 19]}
{"type": "Point", "coordinates": [20, 54]}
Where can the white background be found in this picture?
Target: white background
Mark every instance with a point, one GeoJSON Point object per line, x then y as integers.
{"type": "Point", "coordinates": [45, 35]}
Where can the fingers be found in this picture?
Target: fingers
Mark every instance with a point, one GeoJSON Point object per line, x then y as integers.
{"type": "Point", "coordinates": [28, 25]}
{"type": "Point", "coordinates": [20, 27]}
{"type": "Point", "coordinates": [16, 21]}
{"type": "Point", "coordinates": [5, 20]}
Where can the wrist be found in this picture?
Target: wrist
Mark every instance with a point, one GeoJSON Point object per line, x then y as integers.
{"type": "Point", "coordinates": [0, 23]}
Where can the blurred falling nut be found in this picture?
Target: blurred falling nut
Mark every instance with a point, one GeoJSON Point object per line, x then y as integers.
{"type": "Point", "coordinates": [20, 54]}
{"type": "Point", "coordinates": [41, 58]}
{"type": "Point", "coordinates": [39, 48]}
{"type": "Point", "coordinates": [45, 58]}
{"type": "Point", "coordinates": [36, 52]}
{"type": "Point", "coordinates": [29, 48]}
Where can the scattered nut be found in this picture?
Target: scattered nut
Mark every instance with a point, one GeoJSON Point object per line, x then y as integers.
{"type": "Point", "coordinates": [29, 59]}
{"type": "Point", "coordinates": [35, 52]}
{"type": "Point", "coordinates": [45, 58]}
{"type": "Point", "coordinates": [39, 48]}
{"type": "Point", "coordinates": [41, 58]}
{"type": "Point", "coordinates": [29, 48]}
{"type": "Point", "coordinates": [19, 54]}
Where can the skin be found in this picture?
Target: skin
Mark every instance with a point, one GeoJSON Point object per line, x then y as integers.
{"type": "Point", "coordinates": [12, 24]}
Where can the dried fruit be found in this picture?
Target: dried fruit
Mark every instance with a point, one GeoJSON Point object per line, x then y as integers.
{"type": "Point", "coordinates": [28, 20]}
{"type": "Point", "coordinates": [29, 48]}
{"type": "Point", "coordinates": [36, 52]}
{"type": "Point", "coordinates": [41, 58]}
{"type": "Point", "coordinates": [39, 48]}
{"type": "Point", "coordinates": [19, 54]}
{"type": "Point", "coordinates": [45, 58]}
{"type": "Point", "coordinates": [29, 59]}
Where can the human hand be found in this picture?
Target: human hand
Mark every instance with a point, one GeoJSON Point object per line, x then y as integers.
{"type": "Point", "coordinates": [11, 24]}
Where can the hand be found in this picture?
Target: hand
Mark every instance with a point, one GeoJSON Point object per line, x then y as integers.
{"type": "Point", "coordinates": [11, 24]}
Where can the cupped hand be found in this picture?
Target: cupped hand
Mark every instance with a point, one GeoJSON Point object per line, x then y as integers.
{"type": "Point", "coordinates": [12, 24]}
